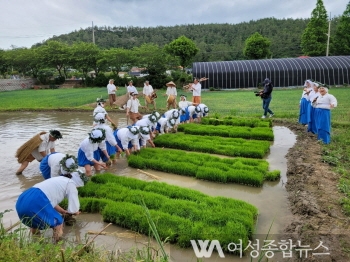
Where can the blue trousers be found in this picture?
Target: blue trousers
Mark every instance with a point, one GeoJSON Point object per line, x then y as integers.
{"type": "Point", "coordinates": [266, 104]}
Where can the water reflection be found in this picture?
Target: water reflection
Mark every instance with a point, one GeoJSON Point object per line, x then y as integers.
{"type": "Point", "coordinates": [17, 128]}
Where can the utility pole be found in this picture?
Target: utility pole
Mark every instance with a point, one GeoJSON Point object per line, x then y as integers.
{"type": "Point", "coordinates": [329, 34]}
{"type": "Point", "coordinates": [93, 33]}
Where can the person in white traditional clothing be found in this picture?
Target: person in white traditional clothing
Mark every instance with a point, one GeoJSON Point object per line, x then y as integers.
{"type": "Point", "coordinates": [175, 114]}
{"type": "Point", "coordinates": [149, 120]}
{"type": "Point", "coordinates": [312, 97]}
{"type": "Point", "coordinates": [165, 125]}
{"type": "Point", "coordinates": [196, 89]}
{"type": "Point", "coordinates": [144, 137]}
{"type": "Point", "coordinates": [183, 105]}
{"type": "Point", "coordinates": [36, 148]}
{"type": "Point", "coordinates": [149, 95]}
{"type": "Point", "coordinates": [132, 108]}
{"type": "Point", "coordinates": [183, 102]}
{"type": "Point", "coordinates": [127, 138]}
{"type": "Point", "coordinates": [323, 105]}
{"type": "Point", "coordinates": [304, 103]}
{"type": "Point", "coordinates": [131, 89]}
{"type": "Point", "coordinates": [171, 92]}
{"type": "Point", "coordinates": [204, 112]}
{"type": "Point", "coordinates": [111, 143]}
{"type": "Point", "coordinates": [88, 153]}
{"type": "Point", "coordinates": [50, 165]}
{"type": "Point", "coordinates": [193, 112]}
{"type": "Point", "coordinates": [111, 89]}
{"type": "Point", "coordinates": [100, 109]}
{"type": "Point", "coordinates": [38, 207]}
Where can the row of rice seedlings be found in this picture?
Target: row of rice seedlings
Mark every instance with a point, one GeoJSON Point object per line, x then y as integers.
{"type": "Point", "coordinates": [237, 121]}
{"type": "Point", "coordinates": [246, 171]}
{"type": "Point", "coordinates": [180, 214]}
{"type": "Point", "coordinates": [258, 133]}
{"type": "Point", "coordinates": [236, 147]}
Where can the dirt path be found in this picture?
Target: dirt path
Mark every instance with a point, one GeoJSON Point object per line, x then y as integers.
{"type": "Point", "coordinates": [314, 200]}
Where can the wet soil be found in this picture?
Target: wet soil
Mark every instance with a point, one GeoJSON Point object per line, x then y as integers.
{"type": "Point", "coordinates": [314, 199]}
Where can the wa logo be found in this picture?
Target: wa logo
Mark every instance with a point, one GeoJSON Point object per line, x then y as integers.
{"type": "Point", "coordinates": [204, 250]}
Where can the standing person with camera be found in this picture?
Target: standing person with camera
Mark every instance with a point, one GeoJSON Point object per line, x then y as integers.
{"type": "Point", "coordinates": [266, 97]}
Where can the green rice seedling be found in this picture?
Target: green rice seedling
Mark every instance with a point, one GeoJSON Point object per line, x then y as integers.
{"type": "Point", "coordinates": [203, 166]}
{"type": "Point", "coordinates": [236, 121]}
{"type": "Point", "coordinates": [214, 145]}
{"type": "Point", "coordinates": [272, 175]}
{"type": "Point", "coordinates": [174, 191]}
{"type": "Point", "coordinates": [92, 205]}
{"type": "Point", "coordinates": [179, 214]}
{"type": "Point", "coordinates": [211, 174]}
{"type": "Point", "coordinates": [257, 133]}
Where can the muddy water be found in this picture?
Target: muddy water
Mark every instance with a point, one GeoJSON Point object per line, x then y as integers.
{"type": "Point", "coordinates": [17, 128]}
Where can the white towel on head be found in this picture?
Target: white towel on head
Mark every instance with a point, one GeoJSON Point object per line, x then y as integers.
{"type": "Point", "coordinates": [99, 116]}
{"type": "Point", "coordinates": [77, 180]}
{"type": "Point", "coordinates": [96, 133]}
{"type": "Point", "coordinates": [69, 162]}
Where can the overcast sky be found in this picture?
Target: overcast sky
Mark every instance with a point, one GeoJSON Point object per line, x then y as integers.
{"type": "Point", "coordinates": [27, 22]}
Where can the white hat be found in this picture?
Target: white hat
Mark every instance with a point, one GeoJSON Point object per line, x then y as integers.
{"type": "Point", "coordinates": [134, 130]}
{"type": "Point", "coordinates": [99, 116]}
{"type": "Point", "coordinates": [68, 164]}
{"type": "Point", "coordinates": [152, 118]}
{"type": "Point", "coordinates": [308, 81]}
{"type": "Point", "coordinates": [156, 114]}
{"type": "Point", "coordinates": [171, 122]}
{"type": "Point", "coordinates": [97, 135]}
{"type": "Point", "coordinates": [144, 130]}
{"type": "Point", "coordinates": [175, 114]}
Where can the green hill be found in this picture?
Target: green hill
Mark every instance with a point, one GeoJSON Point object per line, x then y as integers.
{"type": "Point", "coordinates": [217, 42]}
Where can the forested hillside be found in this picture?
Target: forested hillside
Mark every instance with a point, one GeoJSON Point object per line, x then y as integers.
{"type": "Point", "coordinates": [217, 42]}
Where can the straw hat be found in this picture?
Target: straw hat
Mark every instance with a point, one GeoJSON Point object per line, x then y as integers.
{"type": "Point", "coordinates": [171, 83]}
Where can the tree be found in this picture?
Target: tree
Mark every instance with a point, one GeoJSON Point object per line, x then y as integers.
{"type": "Point", "coordinates": [86, 56]}
{"type": "Point", "coordinates": [257, 47]}
{"type": "Point", "coordinates": [183, 48]}
{"type": "Point", "coordinates": [24, 60]}
{"type": "Point", "coordinates": [155, 60]}
{"type": "Point", "coordinates": [55, 54]}
{"type": "Point", "coordinates": [117, 58]}
{"type": "Point", "coordinates": [314, 38]}
{"type": "Point", "coordinates": [3, 63]}
{"type": "Point", "coordinates": [341, 40]}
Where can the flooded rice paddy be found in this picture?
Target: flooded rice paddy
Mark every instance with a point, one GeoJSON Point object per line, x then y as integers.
{"type": "Point", "coordinates": [17, 127]}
